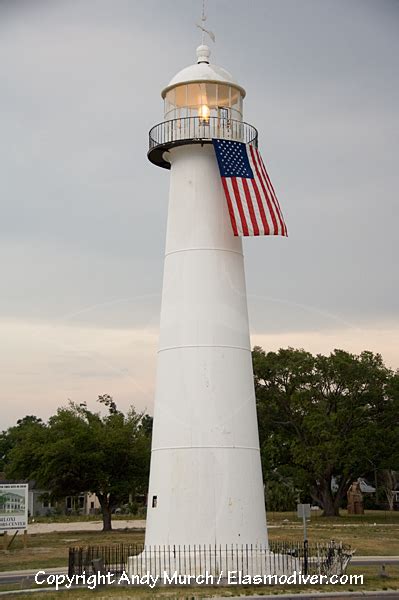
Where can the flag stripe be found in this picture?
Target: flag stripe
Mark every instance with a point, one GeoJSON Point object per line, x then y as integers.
{"type": "Point", "coordinates": [271, 188]}
{"type": "Point", "coordinates": [275, 199]}
{"type": "Point", "coordinates": [256, 207]}
{"type": "Point", "coordinates": [263, 174]}
{"type": "Point", "coordinates": [233, 201]}
{"type": "Point", "coordinates": [244, 205]}
{"type": "Point", "coordinates": [266, 194]}
{"type": "Point", "coordinates": [244, 225]}
{"type": "Point", "coordinates": [265, 224]}
{"type": "Point", "coordinates": [230, 206]}
{"type": "Point", "coordinates": [242, 184]}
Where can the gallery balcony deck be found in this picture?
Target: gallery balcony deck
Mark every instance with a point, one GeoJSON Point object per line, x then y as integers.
{"type": "Point", "coordinates": [195, 130]}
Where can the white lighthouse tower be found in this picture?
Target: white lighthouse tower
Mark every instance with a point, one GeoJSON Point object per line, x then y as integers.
{"type": "Point", "coordinates": [206, 480]}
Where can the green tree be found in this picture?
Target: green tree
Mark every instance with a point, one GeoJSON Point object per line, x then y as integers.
{"type": "Point", "coordinates": [84, 451]}
{"type": "Point", "coordinates": [27, 433]}
{"type": "Point", "coordinates": [280, 494]}
{"type": "Point", "coordinates": [388, 474]}
{"type": "Point", "coordinates": [324, 419]}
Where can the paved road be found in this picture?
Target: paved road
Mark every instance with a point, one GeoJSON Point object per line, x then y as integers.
{"type": "Point", "coordinates": [27, 576]}
{"type": "Point", "coordinates": [26, 579]}
{"type": "Point", "coordinates": [7, 577]}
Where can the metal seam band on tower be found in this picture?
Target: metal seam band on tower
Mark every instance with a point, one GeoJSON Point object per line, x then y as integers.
{"type": "Point", "coordinates": [200, 249]}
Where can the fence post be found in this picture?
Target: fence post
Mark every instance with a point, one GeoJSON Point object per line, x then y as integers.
{"type": "Point", "coordinates": [305, 556]}
{"type": "Point", "coordinates": [71, 562]}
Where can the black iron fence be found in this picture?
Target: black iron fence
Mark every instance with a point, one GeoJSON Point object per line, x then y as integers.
{"type": "Point", "coordinates": [278, 558]}
{"type": "Point", "coordinates": [177, 131]}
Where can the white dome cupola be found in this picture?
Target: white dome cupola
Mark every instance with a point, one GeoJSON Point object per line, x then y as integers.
{"type": "Point", "coordinates": [203, 89]}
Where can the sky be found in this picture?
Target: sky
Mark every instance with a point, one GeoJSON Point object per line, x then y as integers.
{"type": "Point", "coordinates": [83, 212]}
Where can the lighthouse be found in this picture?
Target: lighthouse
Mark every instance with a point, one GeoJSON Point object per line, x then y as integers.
{"type": "Point", "coordinates": [206, 483]}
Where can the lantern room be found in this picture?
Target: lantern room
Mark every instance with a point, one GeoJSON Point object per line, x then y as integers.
{"type": "Point", "coordinates": [201, 102]}
{"type": "Point", "coordinates": [203, 90]}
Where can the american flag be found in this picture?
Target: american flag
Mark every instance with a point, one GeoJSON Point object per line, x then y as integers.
{"type": "Point", "coordinates": [251, 199]}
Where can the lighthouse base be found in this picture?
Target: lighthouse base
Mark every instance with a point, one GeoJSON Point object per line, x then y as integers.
{"type": "Point", "coordinates": [209, 565]}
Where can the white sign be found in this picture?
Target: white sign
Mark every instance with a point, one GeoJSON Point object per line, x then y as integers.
{"type": "Point", "coordinates": [303, 511]}
{"type": "Point", "coordinates": [13, 506]}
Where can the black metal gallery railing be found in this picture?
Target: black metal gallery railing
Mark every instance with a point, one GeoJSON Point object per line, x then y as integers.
{"type": "Point", "coordinates": [182, 130]}
{"type": "Point", "coordinates": [279, 558]}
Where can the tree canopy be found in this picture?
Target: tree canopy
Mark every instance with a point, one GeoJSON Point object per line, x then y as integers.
{"type": "Point", "coordinates": [27, 435]}
{"type": "Point", "coordinates": [81, 451]}
{"type": "Point", "coordinates": [325, 420]}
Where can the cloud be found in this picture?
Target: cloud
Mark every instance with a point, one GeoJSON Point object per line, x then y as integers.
{"type": "Point", "coordinates": [381, 339]}
{"type": "Point", "coordinates": [43, 366]}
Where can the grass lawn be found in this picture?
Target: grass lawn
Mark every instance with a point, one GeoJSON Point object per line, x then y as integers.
{"type": "Point", "coordinates": [372, 581]}
{"type": "Point", "coordinates": [376, 533]}
{"type": "Point", "coordinates": [83, 518]}
{"type": "Point", "coordinates": [51, 549]}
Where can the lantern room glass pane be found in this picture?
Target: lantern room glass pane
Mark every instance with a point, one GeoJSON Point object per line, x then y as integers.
{"type": "Point", "coordinates": [211, 95]}
{"type": "Point", "coordinates": [181, 96]}
{"type": "Point", "coordinates": [224, 95]}
{"type": "Point", "coordinates": [170, 100]}
{"type": "Point", "coordinates": [196, 95]}
{"type": "Point", "coordinates": [170, 103]}
{"type": "Point", "coordinates": [203, 99]}
{"type": "Point", "coordinates": [236, 101]}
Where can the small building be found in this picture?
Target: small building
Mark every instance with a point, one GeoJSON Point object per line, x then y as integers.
{"type": "Point", "coordinates": [39, 502]}
{"type": "Point", "coordinates": [83, 504]}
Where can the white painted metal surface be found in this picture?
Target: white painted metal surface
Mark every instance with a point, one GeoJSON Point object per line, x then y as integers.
{"type": "Point", "coordinates": [206, 482]}
{"type": "Point", "coordinates": [203, 71]}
